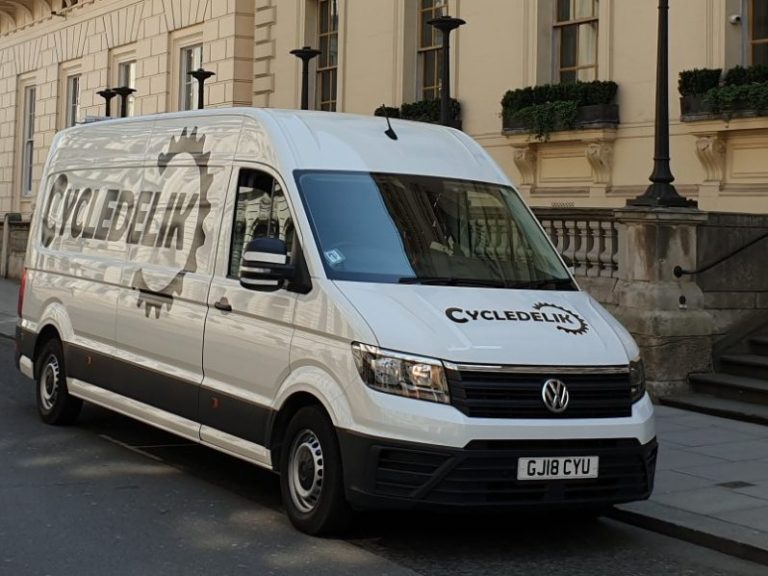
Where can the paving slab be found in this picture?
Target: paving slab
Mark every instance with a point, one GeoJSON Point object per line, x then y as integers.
{"type": "Point", "coordinates": [756, 489]}
{"type": "Point", "coordinates": [710, 500]}
{"type": "Point", "coordinates": [754, 517]}
{"type": "Point", "coordinates": [710, 436]}
{"type": "Point", "coordinates": [679, 459]}
{"type": "Point", "coordinates": [731, 472]}
{"type": "Point", "coordinates": [9, 296]}
{"type": "Point", "coordinates": [669, 481]}
{"type": "Point", "coordinates": [736, 451]}
{"type": "Point", "coordinates": [727, 537]}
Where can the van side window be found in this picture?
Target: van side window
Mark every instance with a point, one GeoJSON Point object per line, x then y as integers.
{"type": "Point", "coordinates": [261, 211]}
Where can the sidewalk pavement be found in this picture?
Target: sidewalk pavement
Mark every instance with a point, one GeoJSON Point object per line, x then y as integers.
{"type": "Point", "coordinates": [711, 477]}
{"type": "Point", "coordinates": [9, 297]}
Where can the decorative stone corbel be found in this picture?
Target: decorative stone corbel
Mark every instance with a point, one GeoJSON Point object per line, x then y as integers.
{"type": "Point", "coordinates": [600, 158]}
{"type": "Point", "coordinates": [525, 160]}
{"type": "Point", "coordinates": [710, 150]}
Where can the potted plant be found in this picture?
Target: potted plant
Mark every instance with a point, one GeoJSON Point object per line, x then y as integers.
{"type": "Point", "coordinates": [543, 109]}
{"type": "Point", "coordinates": [693, 85]}
{"type": "Point", "coordinates": [743, 92]}
{"type": "Point", "coordinates": [423, 111]}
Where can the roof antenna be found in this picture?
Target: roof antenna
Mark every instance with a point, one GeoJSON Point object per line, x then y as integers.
{"type": "Point", "coordinates": [389, 131]}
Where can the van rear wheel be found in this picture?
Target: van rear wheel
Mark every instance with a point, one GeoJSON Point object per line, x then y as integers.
{"type": "Point", "coordinates": [54, 403]}
{"type": "Point", "coordinates": [311, 477]}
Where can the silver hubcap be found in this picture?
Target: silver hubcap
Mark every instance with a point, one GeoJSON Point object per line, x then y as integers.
{"type": "Point", "coordinates": [305, 471]}
{"type": "Point", "coordinates": [49, 383]}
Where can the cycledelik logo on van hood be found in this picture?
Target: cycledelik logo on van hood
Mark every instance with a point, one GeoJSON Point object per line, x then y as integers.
{"type": "Point", "coordinates": [560, 317]}
{"type": "Point", "coordinates": [155, 219]}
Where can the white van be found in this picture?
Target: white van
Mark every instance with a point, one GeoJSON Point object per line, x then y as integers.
{"type": "Point", "coordinates": [375, 314]}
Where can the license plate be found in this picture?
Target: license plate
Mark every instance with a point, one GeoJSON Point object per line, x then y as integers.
{"type": "Point", "coordinates": [561, 468]}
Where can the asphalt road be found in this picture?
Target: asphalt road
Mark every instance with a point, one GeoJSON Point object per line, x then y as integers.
{"type": "Point", "coordinates": [112, 496]}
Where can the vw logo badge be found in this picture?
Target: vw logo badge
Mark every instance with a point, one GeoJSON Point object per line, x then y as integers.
{"type": "Point", "coordinates": [555, 396]}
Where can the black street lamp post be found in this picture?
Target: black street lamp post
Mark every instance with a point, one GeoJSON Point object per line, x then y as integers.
{"type": "Point", "coordinates": [123, 92]}
{"type": "Point", "coordinates": [305, 54]}
{"type": "Point", "coordinates": [107, 94]}
{"type": "Point", "coordinates": [201, 76]}
{"type": "Point", "coordinates": [446, 24]}
{"type": "Point", "coordinates": [661, 193]}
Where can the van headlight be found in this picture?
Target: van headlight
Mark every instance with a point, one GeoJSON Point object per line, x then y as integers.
{"type": "Point", "coordinates": [401, 374]}
{"type": "Point", "coordinates": [637, 379]}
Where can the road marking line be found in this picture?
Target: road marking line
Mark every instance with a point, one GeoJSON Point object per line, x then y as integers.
{"type": "Point", "coordinates": [131, 448]}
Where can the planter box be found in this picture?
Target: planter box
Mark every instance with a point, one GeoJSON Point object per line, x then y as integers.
{"type": "Point", "coordinates": [594, 116]}
{"type": "Point", "coordinates": [693, 107]}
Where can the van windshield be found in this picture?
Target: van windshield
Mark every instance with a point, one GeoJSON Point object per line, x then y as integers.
{"type": "Point", "coordinates": [397, 228]}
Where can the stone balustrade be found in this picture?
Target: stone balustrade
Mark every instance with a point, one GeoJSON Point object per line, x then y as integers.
{"type": "Point", "coordinates": [588, 238]}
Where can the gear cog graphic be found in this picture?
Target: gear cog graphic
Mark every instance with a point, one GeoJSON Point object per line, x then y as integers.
{"type": "Point", "coordinates": [581, 330]}
{"type": "Point", "coordinates": [187, 142]}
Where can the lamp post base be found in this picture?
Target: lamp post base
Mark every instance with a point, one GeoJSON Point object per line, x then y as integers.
{"type": "Point", "coordinates": [662, 195]}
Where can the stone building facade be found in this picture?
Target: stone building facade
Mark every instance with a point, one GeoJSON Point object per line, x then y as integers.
{"type": "Point", "coordinates": [55, 55]}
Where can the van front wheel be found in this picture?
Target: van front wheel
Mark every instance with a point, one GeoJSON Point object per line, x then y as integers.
{"type": "Point", "coordinates": [311, 478]}
{"type": "Point", "coordinates": [54, 403]}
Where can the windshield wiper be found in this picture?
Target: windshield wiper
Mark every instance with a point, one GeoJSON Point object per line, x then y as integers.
{"type": "Point", "coordinates": [449, 281]}
{"type": "Point", "coordinates": [545, 284]}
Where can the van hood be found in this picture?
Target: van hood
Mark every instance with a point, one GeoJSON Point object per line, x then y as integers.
{"type": "Point", "coordinates": [490, 326]}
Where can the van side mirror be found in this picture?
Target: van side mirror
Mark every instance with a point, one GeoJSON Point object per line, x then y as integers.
{"type": "Point", "coordinates": [264, 266]}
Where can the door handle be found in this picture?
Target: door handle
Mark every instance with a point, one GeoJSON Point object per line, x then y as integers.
{"type": "Point", "coordinates": [223, 305]}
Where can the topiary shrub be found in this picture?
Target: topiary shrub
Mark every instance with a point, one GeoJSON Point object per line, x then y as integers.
{"type": "Point", "coordinates": [740, 76]}
{"type": "Point", "coordinates": [423, 111]}
{"type": "Point", "coordinates": [550, 107]}
{"type": "Point", "coordinates": [698, 81]}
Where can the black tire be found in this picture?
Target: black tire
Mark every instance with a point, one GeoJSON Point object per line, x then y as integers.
{"type": "Point", "coordinates": [311, 475]}
{"type": "Point", "coordinates": [54, 403]}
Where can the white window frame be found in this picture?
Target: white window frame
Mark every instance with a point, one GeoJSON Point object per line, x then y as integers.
{"type": "Point", "coordinates": [64, 104]}
{"type": "Point", "coordinates": [188, 86]}
{"type": "Point", "coordinates": [72, 106]}
{"type": "Point", "coordinates": [29, 95]}
{"type": "Point", "coordinates": [435, 49]}
{"type": "Point", "coordinates": [325, 69]}
{"type": "Point", "coordinates": [578, 23]}
{"type": "Point", "coordinates": [179, 41]}
{"type": "Point", "coordinates": [119, 59]}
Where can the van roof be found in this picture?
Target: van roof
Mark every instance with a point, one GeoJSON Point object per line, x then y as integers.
{"type": "Point", "coordinates": [296, 139]}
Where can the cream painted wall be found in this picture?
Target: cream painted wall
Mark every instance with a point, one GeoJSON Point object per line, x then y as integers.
{"type": "Point", "coordinates": [505, 44]}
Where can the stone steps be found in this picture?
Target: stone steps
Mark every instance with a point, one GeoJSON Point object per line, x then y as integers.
{"type": "Point", "coordinates": [738, 391]}
{"type": "Point", "coordinates": [733, 409]}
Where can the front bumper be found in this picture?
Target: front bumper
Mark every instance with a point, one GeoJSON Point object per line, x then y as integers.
{"type": "Point", "coordinates": [383, 474]}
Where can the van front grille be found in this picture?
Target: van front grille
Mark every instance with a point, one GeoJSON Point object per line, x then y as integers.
{"type": "Point", "coordinates": [482, 394]}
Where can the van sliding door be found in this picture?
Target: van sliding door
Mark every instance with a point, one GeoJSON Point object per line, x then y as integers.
{"type": "Point", "coordinates": [161, 310]}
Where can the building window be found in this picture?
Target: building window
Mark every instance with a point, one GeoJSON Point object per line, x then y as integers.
{"type": "Point", "coordinates": [191, 59]}
{"type": "Point", "coordinates": [73, 100]}
{"type": "Point", "coordinates": [430, 49]}
{"type": "Point", "coordinates": [28, 140]}
{"type": "Point", "coordinates": [758, 18]}
{"type": "Point", "coordinates": [126, 76]}
{"type": "Point", "coordinates": [328, 35]}
{"type": "Point", "coordinates": [576, 40]}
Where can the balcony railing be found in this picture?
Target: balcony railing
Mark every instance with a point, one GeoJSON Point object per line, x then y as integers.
{"type": "Point", "coordinates": [587, 238]}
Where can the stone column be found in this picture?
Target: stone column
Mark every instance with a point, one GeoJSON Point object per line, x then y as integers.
{"type": "Point", "coordinates": [664, 314]}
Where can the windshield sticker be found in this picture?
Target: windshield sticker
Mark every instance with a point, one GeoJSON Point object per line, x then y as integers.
{"type": "Point", "coordinates": [334, 257]}
{"type": "Point", "coordinates": [561, 318]}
